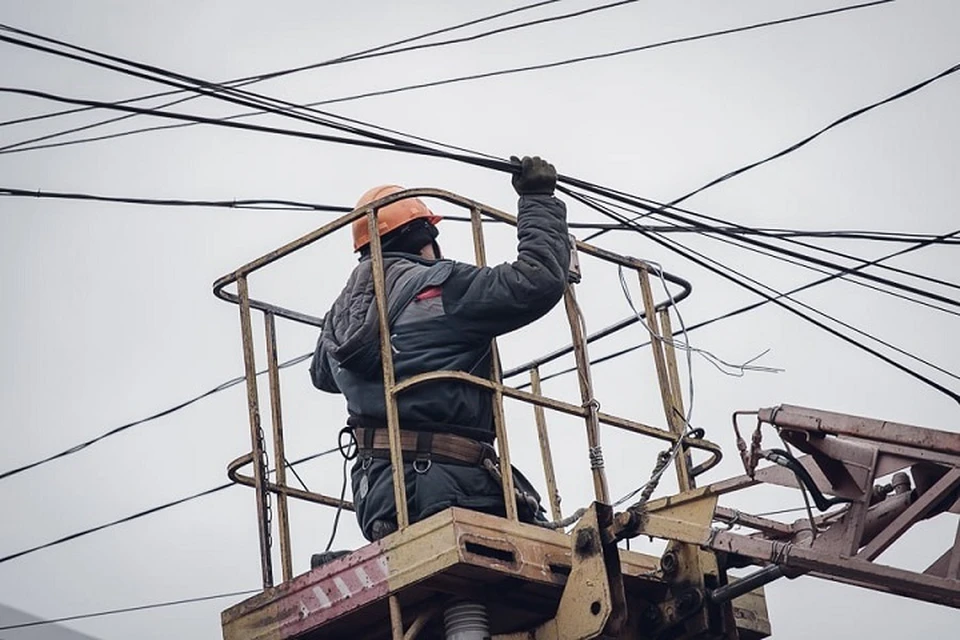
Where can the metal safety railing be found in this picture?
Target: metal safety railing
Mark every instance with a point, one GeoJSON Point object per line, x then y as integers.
{"type": "Point", "coordinates": [655, 315]}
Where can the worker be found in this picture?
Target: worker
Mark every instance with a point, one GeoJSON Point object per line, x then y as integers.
{"type": "Point", "coordinates": [443, 315]}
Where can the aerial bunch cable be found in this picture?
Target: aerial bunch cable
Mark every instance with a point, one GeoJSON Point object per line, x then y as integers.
{"type": "Point", "coordinates": [27, 145]}
{"type": "Point", "coordinates": [387, 142]}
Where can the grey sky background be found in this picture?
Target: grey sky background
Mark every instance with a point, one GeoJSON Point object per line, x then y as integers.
{"type": "Point", "coordinates": [108, 316]}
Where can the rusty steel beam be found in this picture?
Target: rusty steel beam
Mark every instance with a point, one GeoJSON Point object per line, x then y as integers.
{"type": "Point", "coordinates": [466, 203]}
{"type": "Point", "coordinates": [911, 515]}
{"type": "Point", "coordinates": [386, 360]}
{"type": "Point", "coordinates": [279, 455]}
{"type": "Point", "coordinates": [802, 558]}
{"type": "Point", "coordinates": [733, 517]}
{"type": "Point", "coordinates": [716, 454]}
{"type": "Point", "coordinates": [805, 419]}
{"type": "Point", "coordinates": [674, 377]}
{"type": "Point", "coordinates": [953, 565]}
{"type": "Point", "coordinates": [256, 434]}
{"type": "Point", "coordinates": [233, 472]}
{"type": "Point", "coordinates": [499, 421]}
{"type": "Point", "coordinates": [676, 423]}
{"type": "Point", "coordinates": [577, 332]}
{"type": "Point", "coordinates": [546, 455]}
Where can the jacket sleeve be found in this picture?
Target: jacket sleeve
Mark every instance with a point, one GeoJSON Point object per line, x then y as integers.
{"type": "Point", "coordinates": [490, 301]}
{"type": "Point", "coordinates": [320, 373]}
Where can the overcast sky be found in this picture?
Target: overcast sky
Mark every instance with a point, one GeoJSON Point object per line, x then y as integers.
{"type": "Point", "coordinates": [108, 316]}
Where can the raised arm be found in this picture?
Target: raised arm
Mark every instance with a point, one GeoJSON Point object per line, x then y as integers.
{"type": "Point", "coordinates": [491, 301]}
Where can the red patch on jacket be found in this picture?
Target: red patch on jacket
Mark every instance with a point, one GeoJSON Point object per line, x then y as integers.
{"type": "Point", "coordinates": [430, 292]}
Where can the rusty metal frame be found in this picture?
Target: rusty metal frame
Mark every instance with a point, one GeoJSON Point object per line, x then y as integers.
{"type": "Point", "coordinates": [845, 455]}
{"type": "Point", "coordinates": [546, 454]}
{"type": "Point", "coordinates": [499, 420]}
{"type": "Point", "coordinates": [588, 410]}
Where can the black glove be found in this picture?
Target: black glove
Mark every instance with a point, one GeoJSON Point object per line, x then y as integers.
{"type": "Point", "coordinates": [534, 176]}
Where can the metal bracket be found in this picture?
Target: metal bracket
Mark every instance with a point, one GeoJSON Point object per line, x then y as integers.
{"type": "Point", "coordinates": [593, 601]}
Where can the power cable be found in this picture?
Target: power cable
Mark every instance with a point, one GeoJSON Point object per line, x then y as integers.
{"type": "Point", "coordinates": [254, 204]}
{"type": "Point", "coordinates": [707, 229]}
{"type": "Point", "coordinates": [501, 72]}
{"type": "Point", "coordinates": [362, 55]}
{"type": "Point", "coordinates": [182, 405]}
{"type": "Point", "coordinates": [142, 607]}
{"type": "Point", "coordinates": [265, 204]}
{"type": "Point", "coordinates": [260, 77]}
{"type": "Point", "coordinates": [141, 514]}
{"type": "Point", "coordinates": [807, 140]}
{"type": "Point", "coordinates": [499, 165]}
{"type": "Point", "coordinates": [153, 69]}
{"type": "Point", "coordinates": [411, 148]}
{"type": "Point", "coordinates": [864, 333]}
{"type": "Point", "coordinates": [135, 516]}
{"type": "Point", "coordinates": [735, 312]}
{"type": "Point", "coordinates": [817, 134]}
{"type": "Point", "coordinates": [490, 164]}
{"type": "Point", "coordinates": [773, 232]}
{"type": "Point", "coordinates": [844, 272]}
{"type": "Point", "coordinates": [400, 145]}
{"type": "Point", "coordinates": [785, 237]}
{"type": "Point", "coordinates": [752, 285]}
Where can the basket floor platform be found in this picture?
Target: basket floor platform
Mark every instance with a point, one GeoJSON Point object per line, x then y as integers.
{"type": "Point", "coordinates": [517, 570]}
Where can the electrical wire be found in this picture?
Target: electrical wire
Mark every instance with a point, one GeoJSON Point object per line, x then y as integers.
{"type": "Point", "coordinates": [336, 517]}
{"type": "Point", "coordinates": [807, 140]}
{"type": "Point", "coordinates": [253, 204]}
{"type": "Point", "coordinates": [425, 151]}
{"type": "Point", "coordinates": [707, 229]}
{"type": "Point", "coordinates": [135, 516]}
{"type": "Point", "coordinates": [362, 55]}
{"type": "Point", "coordinates": [499, 166]}
{"type": "Point", "coordinates": [267, 204]}
{"type": "Point", "coordinates": [820, 132]}
{"type": "Point", "coordinates": [401, 146]}
{"type": "Point", "coordinates": [569, 61]}
{"type": "Point", "coordinates": [142, 607]}
{"type": "Point", "coordinates": [482, 162]}
{"type": "Point", "coordinates": [624, 220]}
{"type": "Point", "coordinates": [730, 239]}
{"type": "Point", "coordinates": [752, 285]}
{"type": "Point", "coordinates": [283, 72]}
{"type": "Point", "coordinates": [142, 514]}
{"type": "Point", "coordinates": [719, 363]}
{"type": "Point", "coordinates": [145, 67]}
{"type": "Point", "coordinates": [789, 236]}
{"type": "Point", "coordinates": [842, 323]}
{"type": "Point", "coordinates": [177, 407]}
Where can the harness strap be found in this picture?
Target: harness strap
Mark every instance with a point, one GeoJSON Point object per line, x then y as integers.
{"type": "Point", "coordinates": [425, 446]}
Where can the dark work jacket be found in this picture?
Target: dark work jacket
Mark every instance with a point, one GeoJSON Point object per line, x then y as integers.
{"type": "Point", "coordinates": [442, 315]}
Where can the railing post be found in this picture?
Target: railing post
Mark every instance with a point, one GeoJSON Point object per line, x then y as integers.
{"type": "Point", "coordinates": [545, 452]}
{"type": "Point", "coordinates": [674, 376]}
{"type": "Point", "coordinates": [389, 379]}
{"type": "Point", "coordinates": [592, 420]}
{"type": "Point", "coordinates": [279, 455]}
{"type": "Point", "coordinates": [499, 423]}
{"type": "Point", "coordinates": [256, 434]}
{"type": "Point", "coordinates": [676, 422]}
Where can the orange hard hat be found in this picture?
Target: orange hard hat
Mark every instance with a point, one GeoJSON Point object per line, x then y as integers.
{"type": "Point", "coordinates": [390, 217]}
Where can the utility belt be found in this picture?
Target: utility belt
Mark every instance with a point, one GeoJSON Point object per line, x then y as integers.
{"type": "Point", "coordinates": [423, 447]}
